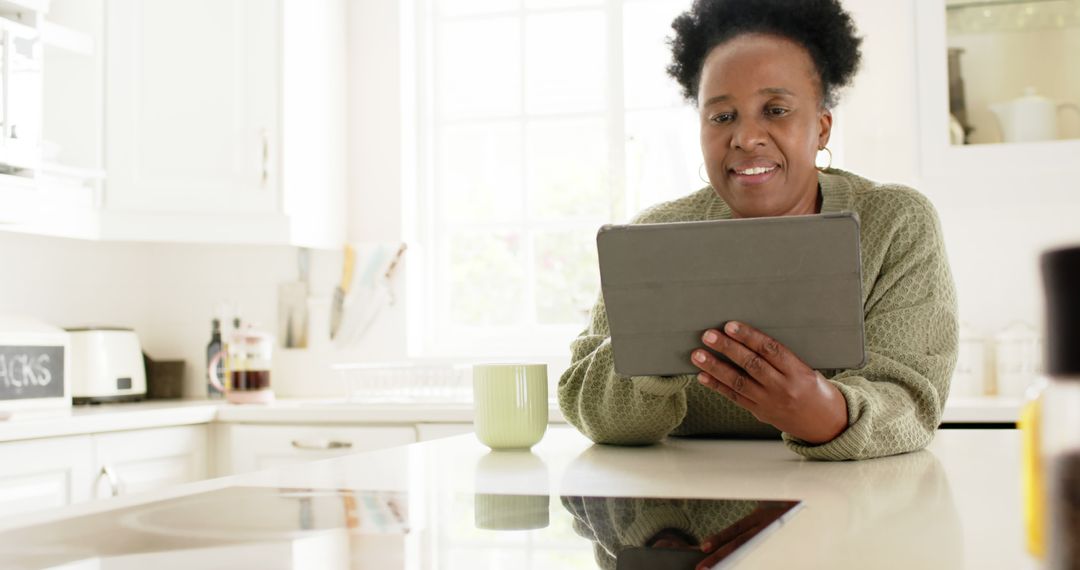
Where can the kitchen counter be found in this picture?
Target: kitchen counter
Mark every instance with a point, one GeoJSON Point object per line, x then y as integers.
{"type": "Point", "coordinates": [116, 417]}
{"type": "Point", "coordinates": [954, 505]}
{"type": "Point", "coordinates": [79, 420]}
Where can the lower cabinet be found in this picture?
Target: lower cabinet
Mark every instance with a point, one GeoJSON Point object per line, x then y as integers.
{"type": "Point", "coordinates": [145, 460]}
{"type": "Point", "coordinates": [45, 473]}
{"type": "Point", "coordinates": [39, 474]}
{"type": "Point", "coordinates": [250, 447]}
{"type": "Point", "coordinates": [54, 472]}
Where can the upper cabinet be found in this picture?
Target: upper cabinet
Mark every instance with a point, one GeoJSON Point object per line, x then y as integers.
{"type": "Point", "coordinates": [192, 111]}
{"type": "Point", "coordinates": [225, 121]}
{"type": "Point", "coordinates": [218, 121]}
{"type": "Point", "coordinates": [998, 86]}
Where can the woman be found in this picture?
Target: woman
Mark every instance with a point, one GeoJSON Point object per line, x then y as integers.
{"type": "Point", "coordinates": [764, 75]}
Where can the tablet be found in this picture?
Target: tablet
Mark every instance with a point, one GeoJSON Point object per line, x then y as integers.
{"type": "Point", "coordinates": [796, 278]}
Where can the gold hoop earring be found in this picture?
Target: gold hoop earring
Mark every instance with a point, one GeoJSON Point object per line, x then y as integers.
{"type": "Point", "coordinates": [827, 166]}
{"type": "Point", "coordinates": [703, 179]}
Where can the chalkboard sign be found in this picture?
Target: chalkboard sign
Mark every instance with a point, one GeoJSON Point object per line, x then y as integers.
{"type": "Point", "coordinates": [31, 372]}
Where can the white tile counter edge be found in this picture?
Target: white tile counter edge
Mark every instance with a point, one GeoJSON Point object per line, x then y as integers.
{"type": "Point", "coordinates": [116, 417]}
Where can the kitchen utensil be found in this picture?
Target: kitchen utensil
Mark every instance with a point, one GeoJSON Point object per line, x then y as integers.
{"type": "Point", "coordinates": [373, 293]}
{"type": "Point", "coordinates": [106, 365]}
{"type": "Point", "coordinates": [338, 303]}
{"type": "Point", "coordinates": [249, 356]}
{"type": "Point", "coordinates": [1031, 117]}
{"type": "Point", "coordinates": [292, 306]}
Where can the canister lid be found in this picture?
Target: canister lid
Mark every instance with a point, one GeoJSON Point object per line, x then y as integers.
{"type": "Point", "coordinates": [1061, 280]}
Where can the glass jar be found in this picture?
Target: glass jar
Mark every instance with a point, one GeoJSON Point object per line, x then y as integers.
{"type": "Point", "coordinates": [248, 359]}
{"type": "Point", "coordinates": [969, 378]}
{"type": "Point", "coordinates": [1017, 352]}
{"type": "Point", "coordinates": [1059, 409]}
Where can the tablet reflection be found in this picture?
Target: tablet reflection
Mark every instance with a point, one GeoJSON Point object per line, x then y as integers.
{"type": "Point", "coordinates": [677, 534]}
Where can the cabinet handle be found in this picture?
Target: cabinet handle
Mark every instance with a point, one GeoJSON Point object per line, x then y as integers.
{"type": "Point", "coordinates": [110, 476]}
{"type": "Point", "coordinates": [321, 444]}
{"type": "Point", "coordinates": [265, 157]}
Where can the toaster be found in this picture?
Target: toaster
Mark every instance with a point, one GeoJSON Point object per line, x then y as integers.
{"type": "Point", "coordinates": [106, 365]}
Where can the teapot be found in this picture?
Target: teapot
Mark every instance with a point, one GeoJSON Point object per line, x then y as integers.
{"type": "Point", "coordinates": [1031, 117]}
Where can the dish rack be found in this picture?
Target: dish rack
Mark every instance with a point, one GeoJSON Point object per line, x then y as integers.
{"type": "Point", "coordinates": [405, 382]}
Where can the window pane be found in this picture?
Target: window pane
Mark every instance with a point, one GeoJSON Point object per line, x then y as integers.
{"type": "Point", "coordinates": [565, 55]}
{"type": "Point", "coordinates": [478, 68]}
{"type": "Point", "coordinates": [468, 7]}
{"type": "Point", "coordinates": [567, 277]}
{"type": "Point", "coordinates": [663, 154]}
{"type": "Point", "coordinates": [646, 54]}
{"type": "Point", "coordinates": [487, 280]}
{"type": "Point", "coordinates": [479, 176]}
{"type": "Point", "coordinates": [567, 169]}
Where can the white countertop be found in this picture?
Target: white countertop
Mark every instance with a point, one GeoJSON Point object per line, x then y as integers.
{"type": "Point", "coordinates": [79, 420]}
{"type": "Point", "coordinates": [954, 505]}
{"type": "Point", "coordinates": [114, 417]}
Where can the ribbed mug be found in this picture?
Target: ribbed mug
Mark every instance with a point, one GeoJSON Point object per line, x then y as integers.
{"type": "Point", "coordinates": [511, 404]}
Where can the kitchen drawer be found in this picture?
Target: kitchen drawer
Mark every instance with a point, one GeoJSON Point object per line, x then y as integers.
{"type": "Point", "coordinates": [253, 447]}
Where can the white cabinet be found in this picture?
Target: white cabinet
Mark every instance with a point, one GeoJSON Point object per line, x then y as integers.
{"type": "Point", "coordinates": [1055, 159]}
{"type": "Point", "coordinates": [192, 106]}
{"type": "Point", "coordinates": [225, 121]}
{"type": "Point", "coordinates": [39, 474]}
{"type": "Point", "coordinates": [145, 460]}
{"type": "Point", "coordinates": [47, 473]}
{"type": "Point", "coordinates": [249, 447]}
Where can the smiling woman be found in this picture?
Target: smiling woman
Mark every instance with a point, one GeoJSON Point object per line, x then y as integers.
{"type": "Point", "coordinates": [764, 75]}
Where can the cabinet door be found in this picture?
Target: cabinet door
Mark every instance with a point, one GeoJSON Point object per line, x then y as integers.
{"type": "Point", "coordinates": [44, 473]}
{"type": "Point", "coordinates": [192, 105]}
{"type": "Point", "coordinates": [254, 447]}
{"type": "Point", "coordinates": [144, 460]}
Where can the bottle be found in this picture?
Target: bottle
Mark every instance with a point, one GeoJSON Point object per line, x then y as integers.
{"type": "Point", "coordinates": [212, 349]}
{"type": "Point", "coordinates": [1059, 410]}
{"type": "Point", "coordinates": [1031, 474]}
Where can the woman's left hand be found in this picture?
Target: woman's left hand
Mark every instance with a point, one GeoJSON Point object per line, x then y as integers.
{"type": "Point", "coordinates": [772, 383]}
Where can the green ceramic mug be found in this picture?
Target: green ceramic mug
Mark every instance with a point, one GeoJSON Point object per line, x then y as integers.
{"type": "Point", "coordinates": [511, 403]}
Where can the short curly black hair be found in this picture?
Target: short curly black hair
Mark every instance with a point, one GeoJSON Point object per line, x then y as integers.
{"type": "Point", "coordinates": [823, 27]}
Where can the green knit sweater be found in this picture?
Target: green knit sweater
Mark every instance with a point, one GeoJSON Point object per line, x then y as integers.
{"type": "Point", "coordinates": [894, 402]}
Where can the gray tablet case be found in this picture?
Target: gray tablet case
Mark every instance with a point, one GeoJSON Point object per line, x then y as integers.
{"type": "Point", "coordinates": [796, 278]}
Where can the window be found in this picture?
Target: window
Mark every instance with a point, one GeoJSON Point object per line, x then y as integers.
{"type": "Point", "coordinates": [540, 121]}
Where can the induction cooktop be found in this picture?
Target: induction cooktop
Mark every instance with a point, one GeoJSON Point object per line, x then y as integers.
{"type": "Point", "coordinates": [291, 528]}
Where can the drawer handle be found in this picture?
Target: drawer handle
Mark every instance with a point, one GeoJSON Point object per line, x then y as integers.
{"type": "Point", "coordinates": [110, 476]}
{"type": "Point", "coordinates": [321, 444]}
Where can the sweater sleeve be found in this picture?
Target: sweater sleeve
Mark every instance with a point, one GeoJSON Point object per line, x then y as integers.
{"type": "Point", "coordinates": [609, 408]}
{"type": "Point", "coordinates": [895, 401]}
